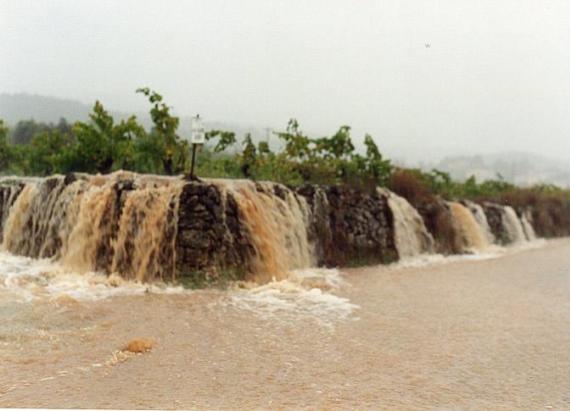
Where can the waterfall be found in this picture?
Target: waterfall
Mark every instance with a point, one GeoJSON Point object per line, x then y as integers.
{"type": "Point", "coordinates": [513, 226]}
{"type": "Point", "coordinates": [146, 227]}
{"type": "Point", "coordinates": [526, 219]}
{"type": "Point", "coordinates": [127, 224]}
{"type": "Point", "coordinates": [278, 221]}
{"type": "Point", "coordinates": [122, 223]}
{"type": "Point", "coordinates": [410, 233]}
{"type": "Point", "coordinates": [473, 236]}
{"type": "Point", "coordinates": [481, 218]}
{"type": "Point", "coordinates": [7, 198]}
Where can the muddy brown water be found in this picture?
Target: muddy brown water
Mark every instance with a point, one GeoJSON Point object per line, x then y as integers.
{"type": "Point", "coordinates": [483, 334]}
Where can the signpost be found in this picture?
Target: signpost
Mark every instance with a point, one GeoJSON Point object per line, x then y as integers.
{"type": "Point", "coordinates": [197, 137]}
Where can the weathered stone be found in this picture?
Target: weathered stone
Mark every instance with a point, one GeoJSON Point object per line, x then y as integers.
{"type": "Point", "coordinates": [210, 232]}
{"type": "Point", "coordinates": [494, 214]}
{"type": "Point", "coordinates": [349, 226]}
{"type": "Point", "coordinates": [439, 222]}
{"type": "Point", "coordinates": [345, 226]}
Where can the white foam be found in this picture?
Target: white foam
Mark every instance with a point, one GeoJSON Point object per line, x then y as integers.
{"type": "Point", "coordinates": [489, 253]}
{"type": "Point", "coordinates": [308, 293]}
{"type": "Point", "coordinates": [410, 233]}
{"type": "Point", "coordinates": [513, 225]}
{"type": "Point", "coordinates": [27, 279]}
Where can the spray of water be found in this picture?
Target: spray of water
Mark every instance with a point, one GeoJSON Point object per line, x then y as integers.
{"type": "Point", "coordinates": [526, 219]}
{"type": "Point", "coordinates": [122, 223]}
{"type": "Point", "coordinates": [411, 235]}
{"type": "Point", "coordinates": [472, 234]}
{"type": "Point", "coordinates": [481, 218]}
{"type": "Point", "coordinates": [277, 220]}
{"type": "Point", "coordinates": [513, 226]}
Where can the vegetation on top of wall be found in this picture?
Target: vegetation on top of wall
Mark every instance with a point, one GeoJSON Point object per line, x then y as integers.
{"type": "Point", "coordinates": [103, 145]}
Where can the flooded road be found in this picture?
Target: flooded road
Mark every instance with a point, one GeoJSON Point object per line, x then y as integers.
{"type": "Point", "coordinates": [465, 333]}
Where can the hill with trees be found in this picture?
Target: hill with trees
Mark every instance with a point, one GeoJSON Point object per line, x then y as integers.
{"type": "Point", "coordinates": [103, 143]}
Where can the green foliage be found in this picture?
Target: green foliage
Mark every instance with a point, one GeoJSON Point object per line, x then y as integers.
{"type": "Point", "coordinates": [297, 145]}
{"type": "Point", "coordinates": [412, 183]}
{"type": "Point", "coordinates": [5, 154]}
{"type": "Point", "coordinates": [248, 156]}
{"type": "Point", "coordinates": [217, 165]}
{"type": "Point", "coordinates": [25, 130]}
{"type": "Point", "coordinates": [48, 152]}
{"type": "Point", "coordinates": [225, 139]}
{"type": "Point", "coordinates": [331, 160]}
{"type": "Point", "coordinates": [375, 165]}
{"type": "Point", "coordinates": [338, 146]}
{"type": "Point", "coordinates": [162, 149]}
{"type": "Point", "coordinates": [263, 148]}
{"type": "Point", "coordinates": [101, 145]}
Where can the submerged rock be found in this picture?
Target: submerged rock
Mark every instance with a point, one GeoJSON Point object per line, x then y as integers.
{"type": "Point", "coordinates": [139, 345]}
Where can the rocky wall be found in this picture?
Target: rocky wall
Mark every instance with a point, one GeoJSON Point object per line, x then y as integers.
{"type": "Point", "coordinates": [439, 222]}
{"type": "Point", "coordinates": [212, 237]}
{"type": "Point", "coordinates": [350, 227]}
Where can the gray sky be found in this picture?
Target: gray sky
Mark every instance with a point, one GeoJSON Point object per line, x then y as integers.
{"type": "Point", "coordinates": [495, 77]}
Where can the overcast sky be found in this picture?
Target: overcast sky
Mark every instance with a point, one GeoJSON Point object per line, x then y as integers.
{"type": "Point", "coordinates": [425, 78]}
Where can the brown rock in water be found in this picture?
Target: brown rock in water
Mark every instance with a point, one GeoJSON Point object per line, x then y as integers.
{"type": "Point", "coordinates": [139, 345]}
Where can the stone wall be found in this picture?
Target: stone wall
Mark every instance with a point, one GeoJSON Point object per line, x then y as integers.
{"type": "Point", "coordinates": [345, 226]}
{"type": "Point", "coordinates": [439, 222]}
{"type": "Point", "coordinates": [350, 226]}
{"type": "Point", "coordinates": [212, 238]}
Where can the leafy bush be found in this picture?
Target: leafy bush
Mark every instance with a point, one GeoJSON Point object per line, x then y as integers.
{"type": "Point", "coordinates": [102, 145]}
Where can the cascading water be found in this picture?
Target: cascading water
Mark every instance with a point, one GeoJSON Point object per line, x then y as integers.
{"type": "Point", "coordinates": [513, 226]}
{"type": "Point", "coordinates": [137, 227]}
{"type": "Point", "coordinates": [277, 220]}
{"type": "Point", "coordinates": [410, 233]}
{"type": "Point", "coordinates": [14, 235]}
{"type": "Point", "coordinates": [126, 223]}
{"type": "Point", "coordinates": [7, 197]}
{"type": "Point", "coordinates": [481, 218]}
{"type": "Point", "coordinates": [472, 234]}
{"type": "Point", "coordinates": [117, 223]}
{"type": "Point", "coordinates": [526, 219]}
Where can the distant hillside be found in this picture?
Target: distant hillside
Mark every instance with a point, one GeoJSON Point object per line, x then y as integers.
{"type": "Point", "coordinates": [516, 167]}
{"type": "Point", "coordinates": [21, 106]}
{"type": "Point", "coordinates": [16, 107]}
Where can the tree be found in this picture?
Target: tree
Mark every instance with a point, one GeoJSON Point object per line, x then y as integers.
{"type": "Point", "coordinates": [47, 152]}
{"type": "Point", "coordinates": [297, 145]}
{"type": "Point", "coordinates": [440, 181]}
{"type": "Point", "coordinates": [162, 145]}
{"type": "Point", "coordinates": [248, 157]}
{"type": "Point", "coordinates": [338, 146]}
{"type": "Point", "coordinates": [63, 126]}
{"type": "Point", "coordinates": [102, 145]}
{"type": "Point", "coordinates": [263, 148]}
{"type": "Point", "coordinates": [225, 139]}
{"type": "Point", "coordinates": [375, 165]}
{"type": "Point", "coordinates": [25, 130]}
{"type": "Point", "coordinates": [5, 154]}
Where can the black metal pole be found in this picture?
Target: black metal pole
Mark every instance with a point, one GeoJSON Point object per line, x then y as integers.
{"type": "Point", "coordinates": [193, 159]}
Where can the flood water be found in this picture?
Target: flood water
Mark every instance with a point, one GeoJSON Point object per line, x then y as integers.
{"type": "Point", "coordinates": [487, 332]}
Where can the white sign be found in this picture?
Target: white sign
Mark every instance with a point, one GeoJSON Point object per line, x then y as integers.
{"type": "Point", "coordinates": [198, 135]}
